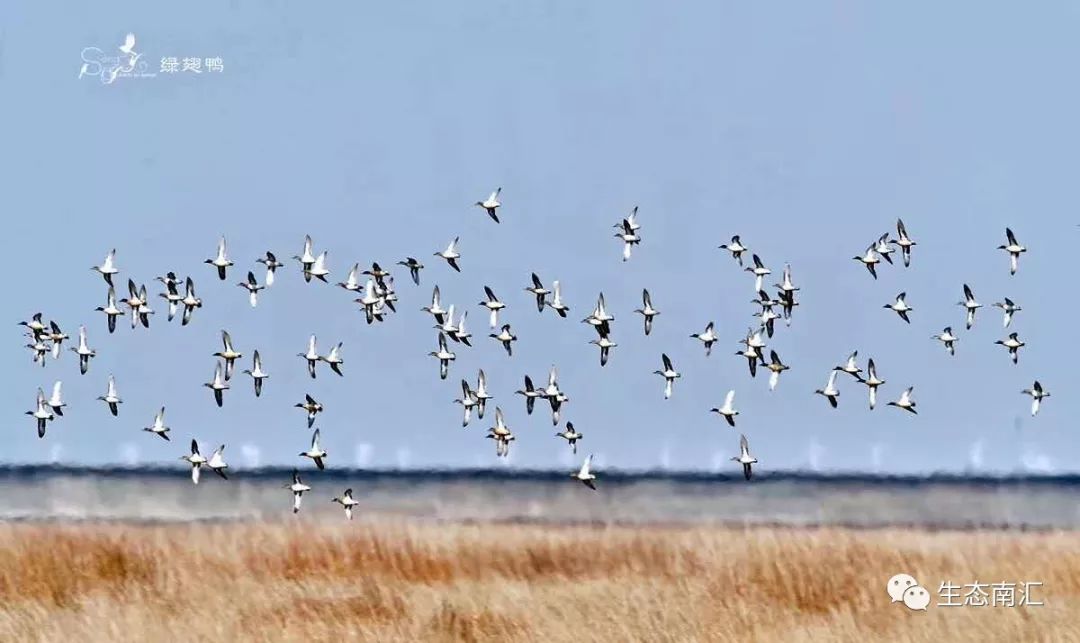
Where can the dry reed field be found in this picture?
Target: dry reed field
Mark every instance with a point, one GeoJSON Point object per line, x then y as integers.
{"type": "Point", "coordinates": [377, 581]}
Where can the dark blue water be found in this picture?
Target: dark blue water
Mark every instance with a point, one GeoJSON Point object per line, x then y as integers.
{"type": "Point", "coordinates": [944, 501]}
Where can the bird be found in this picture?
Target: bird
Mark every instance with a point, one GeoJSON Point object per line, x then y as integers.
{"type": "Point", "coordinates": [377, 273]}
{"type": "Point", "coordinates": [110, 309]}
{"type": "Point", "coordinates": [42, 413]}
{"type": "Point", "coordinates": [171, 296]}
{"type": "Point", "coordinates": [1014, 249]}
{"type": "Point", "coordinates": [1037, 394]}
{"type": "Point", "coordinates": [217, 462]}
{"type": "Point", "coordinates": [221, 260]}
{"type": "Point", "coordinates": [40, 349]}
{"type": "Point", "coordinates": [744, 458]}
{"type": "Point", "coordinates": [629, 238]}
{"type": "Point", "coordinates": [647, 311]}
{"type": "Point", "coordinates": [36, 327]}
{"type": "Point", "coordinates": [414, 267]}
{"type": "Point", "coordinates": [669, 374]}
{"type": "Point", "coordinates": [447, 325]}
{"type": "Point", "coordinates": [312, 356]}
{"type": "Point", "coordinates": [946, 337]}
{"type": "Point", "coordinates": [57, 337]}
{"type": "Point", "coordinates": [583, 474]}
{"type": "Point", "coordinates": [759, 271]}
{"type": "Point", "coordinates": [736, 248]}
{"type": "Point", "coordinates": [108, 267]}
{"type": "Point", "coordinates": [491, 204]}
{"type": "Point", "coordinates": [218, 385]}
{"type": "Point", "coordinates": [333, 358]}
{"type": "Point", "coordinates": [435, 309]}
{"type": "Point", "coordinates": [872, 381]}
{"type": "Point", "coordinates": [111, 398]}
{"type": "Point", "coordinates": [158, 427]}
{"type": "Point", "coordinates": [467, 401]}
{"type": "Point", "coordinates": [298, 488]}
{"type": "Point", "coordinates": [312, 407]}
{"type": "Point", "coordinates": [318, 268]}
{"type": "Point", "coordinates": [134, 302]}
{"type": "Point", "coordinates": [605, 345]}
{"type": "Point", "coordinates": [883, 248]}
{"type": "Point", "coordinates": [451, 255]}
{"type": "Point", "coordinates": [901, 307]}
{"type": "Point", "coordinates": [190, 301]}
{"type": "Point", "coordinates": [493, 305]}
{"type": "Point", "coordinates": [501, 434]}
{"type": "Point", "coordinates": [630, 219]}
{"type": "Point", "coordinates": [84, 351]}
{"type": "Point", "coordinates": [537, 289]}
{"type": "Point", "coordinates": [459, 334]}
{"type": "Point", "coordinates": [128, 47]}
{"type": "Point", "coordinates": [776, 367]}
{"type": "Point", "coordinates": [306, 259]}
{"type": "Point", "coordinates": [316, 452]}
{"type": "Point", "coordinates": [727, 410]}
{"type": "Point", "coordinates": [506, 337]}
{"type": "Point", "coordinates": [228, 354]}
{"type": "Point", "coordinates": [707, 337]}
{"type": "Point", "coordinates": [571, 436]}
{"type": "Point", "coordinates": [556, 302]}
{"type": "Point", "coordinates": [553, 395]}
{"type": "Point", "coordinates": [253, 288]}
{"type": "Point", "coordinates": [830, 391]}
{"type": "Point", "coordinates": [347, 502]}
{"type": "Point", "coordinates": [905, 402]}
{"type": "Point", "coordinates": [196, 460]}
{"type": "Point", "coordinates": [444, 356]}
{"type": "Point", "coordinates": [970, 305]}
{"type": "Point", "coordinates": [272, 264]}
{"type": "Point", "coordinates": [56, 402]}
{"type": "Point", "coordinates": [370, 301]}
{"type": "Point", "coordinates": [753, 356]}
{"type": "Point", "coordinates": [599, 318]}
{"type": "Point", "coordinates": [481, 393]}
{"type": "Point", "coordinates": [787, 286]}
{"type": "Point", "coordinates": [530, 393]}
{"type": "Point", "coordinates": [1009, 308]}
{"type": "Point", "coordinates": [1013, 343]}
{"type": "Point", "coordinates": [767, 318]}
{"type": "Point", "coordinates": [851, 366]}
{"type": "Point", "coordinates": [904, 242]}
{"type": "Point", "coordinates": [870, 260]}
{"type": "Point", "coordinates": [257, 373]}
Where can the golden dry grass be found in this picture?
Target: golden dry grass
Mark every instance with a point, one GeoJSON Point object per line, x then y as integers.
{"type": "Point", "coordinates": [424, 582]}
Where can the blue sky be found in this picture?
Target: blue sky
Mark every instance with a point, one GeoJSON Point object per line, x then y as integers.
{"type": "Point", "coordinates": [807, 128]}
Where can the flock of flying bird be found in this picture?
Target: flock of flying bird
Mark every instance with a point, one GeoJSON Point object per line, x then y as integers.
{"type": "Point", "coordinates": [376, 296]}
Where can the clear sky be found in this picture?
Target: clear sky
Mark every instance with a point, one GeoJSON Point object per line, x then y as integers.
{"type": "Point", "coordinates": [807, 128]}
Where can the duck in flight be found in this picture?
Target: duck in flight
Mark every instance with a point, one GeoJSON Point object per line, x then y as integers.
{"type": "Point", "coordinates": [110, 309]}
{"type": "Point", "coordinates": [306, 259]}
{"type": "Point", "coordinates": [744, 458]}
{"type": "Point", "coordinates": [970, 306]}
{"type": "Point", "coordinates": [108, 267]}
{"type": "Point", "coordinates": [451, 255]}
{"type": "Point", "coordinates": [629, 237]}
{"type": "Point", "coordinates": [257, 374]}
{"type": "Point", "coordinates": [1014, 249]}
{"type": "Point", "coordinates": [728, 409]}
{"type": "Point", "coordinates": [467, 401]}
{"type": "Point", "coordinates": [571, 436]}
{"type": "Point", "coordinates": [56, 401]}
{"type": "Point", "coordinates": [111, 398]}
{"type": "Point", "coordinates": [830, 392]}
{"type": "Point", "coordinates": [506, 337]}
{"type": "Point", "coordinates": [1013, 344]}
{"type": "Point", "coordinates": [493, 305]}
{"type": "Point", "coordinates": [872, 382]}
{"type": "Point", "coordinates": [298, 488]}
{"type": "Point", "coordinates": [444, 356]}
{"type": "Point", "coordinates": [221, 260]}
{"type": "Point", "coordinates": [190, 301]}
{"type": "Point", "coordinates": [333, 358]}
{"type": "Point", "coordinates": [435, 309]}
{"type": "Point", "coordinates": [42, 413]}
{"type": "Point", "coordinates": [228, 354]}
{"type": "Point", "coordinates": [1009, 308]}
{"type": "Point", "coordinates": [900, 307]}
{"type": "Point", "coordinates": [318, 269]}
{"type": "Point", "coordinates": [883, 248]}
{"type": "Point", "coordinates": [530, 393]}
{"type": "Point", "coordinates": [491, 204]}
{"type": "Point", "coordinates": [708, 337]}
{"type": "Point", "coordinates": [312, 407]}
{"type": "Point", "coordinates": [196, 460]}
{"type": "Point", "coordinates": [311, 356]}
{"type": "Point", "coordinates": [669, 374]}
{"type": "Point", "coordinates": [84, 351]}
{"type": "Point", "coordinates": [556, 302]}
{"type": "Point", "coordinates": [414, 267]}
{"type": "Point", "coordinates": [947, 338]}
{"type": "Point", "coordinates": [158, 427]}
{"type": "Point", "coordinates": [906, 402]}
{"type": "Point", "coordinates": [851, 366]}
{"type": "Point", "coordinates": [501, 434]}
{"type": "Point", "coordinates": [904, 242]}
{"type": "Point", "coordinates": [539, 291]}
{"type": "Point", "coordinates": [217, 462]}
{"type": "Point", "coordinates": [776, 367]}
{"type": "Point", "coordinates": [759, 271]}
{"type": "Point", "coordinates": [1037, 394]}
{"type": "Point", "coordinates": [347, 502]}
{"type": "Point", "coordinates": [253, 288]}
{"type": "Point", "coordinates": [316, 453]}
{"type": "Point", "coordinates": [584, 475]}
{"type": "Point", "coordinates": [272, 264]}
{"type": "Point", "coordinates": [218, 385]}
{"type": "Point", "coordinates": [870, 260]}
{"type": "Point", "coordinates": [647, 311]}
{"type": "Point", "coordinates": [605, 344]}
{"type": "Point", "coordinates": [736, 248]}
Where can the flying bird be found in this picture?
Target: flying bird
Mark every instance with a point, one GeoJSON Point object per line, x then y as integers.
{"type": "Point", "coordinates": [108, 267]}
{"type": "Point", "coordinates": [491, 204]}
{"type": "Point", "coordinates": [1013, 344]}
{"type": "Point", "coordinates": [539, 291]}
{"type": "Point", "coordinates": [196, 460]}
{"type": "Point", "coordinates": [158, 427]}
{"type": "Point", "coordinates": [728, 409]}
{"type": "Point", "coordinates": [900, 307]}
{"type": "Point", "coordinates": [1037, 394]}
{"type": "Point", "coordinates": [647, 311]}
{"type": "Point", "coordinates": [736, 248]}
{"type": "Point", "coordinates": [1014, 249]}
{"type": "Point", "coordinates": [257, 374]}
{"type": "Point", "coordinates": [316, 453]}
{"type": "Point", "coordinates": [506, 337]}
{"type": "Point", "coordinates": [312, 407]}
{"type": "Point", "coordinates": [272, 264]}
{"type": "Point", "coordinates": [583, 474]}
{"type": "Point", "coordinates": [253, 288]}
{"type": "Point", "coordinates": [571, 436]}
{"type": "Point", "coordinates": [970, 306]}
{"type": "Point", "coordinates": [1009, 308]}
{"type": "Point", "coordinates": [830, 392]}
{"type": "Point", "coordinates": [744, 458]}
{"type": "Point", "coordinates": [872, 382]}
{"type": "Point", "coordinates": [905, 402]}
{"type": "Point", "coordinates": [451, 255]}
{"type": "Point", "coordinates": [221, 260]}
{"type": "Point", "coordinates": [347, 502]}
{"type": "Point", "coordinates": [111, 398]}
{"type": "Point", "coordinates": [947, 338]}
{"type": "Point", "coordinates": [218, 385]}
{"type": "Point", "coordinates": [414, 267]}
{"type": "Point", "coordinates": [298, 488]}
{"type": "Point", "coordinates": [904, 241]}
{"type": "Point", "coordinates": [669, 374]}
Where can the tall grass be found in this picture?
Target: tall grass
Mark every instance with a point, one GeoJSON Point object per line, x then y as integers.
{"type": "Point", "coordinates": [418, 582]}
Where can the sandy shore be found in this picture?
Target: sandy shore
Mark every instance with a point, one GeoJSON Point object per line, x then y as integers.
{"type": "Point", "coordinates": [408, 581]}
